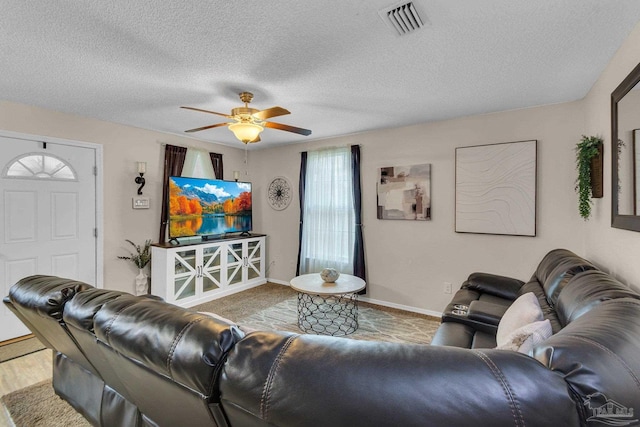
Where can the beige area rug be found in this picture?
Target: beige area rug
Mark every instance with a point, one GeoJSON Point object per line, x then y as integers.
{"type": "Point", "coordinates": [267, 307]}
{"type": "Point", "coordinates": [273, 307]}
{"type": "Point", "coordinates": [20, 348]}
{"type": "Point", "coordinates": [39, 406]}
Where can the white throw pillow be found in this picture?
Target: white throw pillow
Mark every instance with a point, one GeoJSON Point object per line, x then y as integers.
{"type": "Point", "coordinates": [525, 338]}
{"type": "Point", "coordinates": [524, 310]}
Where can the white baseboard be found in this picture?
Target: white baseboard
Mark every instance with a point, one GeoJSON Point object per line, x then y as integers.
{"type": "Point", "coordinates": [401, 307]}
{"type": "Point", "coordinates": [378, 302]}
{"type": "Point", "coordinates": [279, 282]}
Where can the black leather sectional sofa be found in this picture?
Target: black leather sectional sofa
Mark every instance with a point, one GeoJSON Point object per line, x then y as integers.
{"type": "Point", "coordinates": [471, 319]}
{"type": "Point", "coordinates": [123, 360]}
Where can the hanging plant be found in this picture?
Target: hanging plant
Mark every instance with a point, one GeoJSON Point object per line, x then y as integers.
{"type": "Point", "coordinates": [586, 150]}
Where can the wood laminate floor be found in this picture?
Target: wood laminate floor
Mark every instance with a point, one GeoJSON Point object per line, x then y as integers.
{"type": "Point", "coordinates": [23, 372]}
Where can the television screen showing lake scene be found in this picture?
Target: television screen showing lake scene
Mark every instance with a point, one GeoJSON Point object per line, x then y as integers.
{"type": "Point", "coordinates": [207, 207]}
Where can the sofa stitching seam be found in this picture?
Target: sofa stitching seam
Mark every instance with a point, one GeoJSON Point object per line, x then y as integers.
{"type": "Point", "coordinates": [266, 391]}
{"type": "Point", "coordinates": [113, 319]}
{"type": "Point", "coordinates": [615, 356]}
{"type": "Point", "coordinates": [174, 344]}
{"type": "Point", "coordinates": [508, 391]}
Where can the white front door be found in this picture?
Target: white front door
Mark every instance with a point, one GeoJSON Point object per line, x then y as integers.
{"type": "Point", "coordinates": [47, 216]}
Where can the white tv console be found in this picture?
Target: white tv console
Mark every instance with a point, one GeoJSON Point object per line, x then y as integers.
{"type": "Point", "coordinates": [194, 273]}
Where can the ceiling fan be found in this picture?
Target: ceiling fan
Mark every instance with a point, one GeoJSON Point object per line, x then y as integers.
{"type": "Point", "coordinates": [249, 122]}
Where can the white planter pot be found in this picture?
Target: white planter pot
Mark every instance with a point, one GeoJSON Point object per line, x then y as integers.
{"type": "Point", "coordinates": [141, 283]}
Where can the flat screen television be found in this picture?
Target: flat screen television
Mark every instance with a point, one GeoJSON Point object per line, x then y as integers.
{"type": "Point", "coordinates": [208, 207]}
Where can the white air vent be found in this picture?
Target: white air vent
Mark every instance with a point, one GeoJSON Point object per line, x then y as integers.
{"type": "Point", "coordinates": [403, 18]}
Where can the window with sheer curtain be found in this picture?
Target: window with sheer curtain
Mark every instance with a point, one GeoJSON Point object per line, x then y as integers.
{"type": "Point", "coordinates": [328, 234]}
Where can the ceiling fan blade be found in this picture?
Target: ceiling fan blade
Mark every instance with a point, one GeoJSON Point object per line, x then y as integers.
{"type": "Point", "coordinates": [270, 112]}
{"type": "Point", "coordinates": [206, 111]}
{"type": "Point", "coordinates": [288, 128]}
{"type": "Point", "coordinates": [207, 127]}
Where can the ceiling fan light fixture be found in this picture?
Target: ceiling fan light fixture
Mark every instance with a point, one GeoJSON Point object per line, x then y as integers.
{"type": "Point", "coordinates": [246, 132]}
{"type": "Point", "coordinates": [249, 122]}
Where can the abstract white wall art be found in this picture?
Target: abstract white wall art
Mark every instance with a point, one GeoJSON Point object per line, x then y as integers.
{"type": "Point", "coordinates": [496, 188]}
{"type": "Point", "coordinates": [404, 192]}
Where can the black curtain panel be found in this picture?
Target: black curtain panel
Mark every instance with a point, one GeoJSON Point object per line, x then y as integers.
{"type": "Point", "coordinates": [359, 268]}
{"type": "Point", "coordinates": [173, 162]}
{"type": "Point", "coordinates": [216, 161]}
{"type": "Point", "coordinates": [303, 180]}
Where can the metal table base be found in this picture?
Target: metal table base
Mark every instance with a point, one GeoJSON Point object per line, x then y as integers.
{"type": "Point", "coordinates": [334, 315]}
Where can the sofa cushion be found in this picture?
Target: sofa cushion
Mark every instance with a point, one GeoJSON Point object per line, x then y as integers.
{"type": "Point", "coordinates": [179, 344]}
{"type": "Point", "coordinates": [455, 334]}
{"type": "Point", "coordinates": [482, 339]}
{"type": "Point", "coordinates": [276, 379]}
{"type": "Point", "coordinates": [525, 338]}
{"type": "Point", "coordinates": [548, 312]}
{"type": "Point", "coordinates": [82, 309]}
{"type": "Point", "coordinates": [39, 301]}
{"type": "Point", "coordinates": [523, 311]}
{"type": "Point", "coordinates": [586, 290]}
{"type": "Point", "coordinates": [597, 354]}
{"type": "Point", "coordinates": [46, 295]}
{"type": "Point", "coordinates": [555, 270]}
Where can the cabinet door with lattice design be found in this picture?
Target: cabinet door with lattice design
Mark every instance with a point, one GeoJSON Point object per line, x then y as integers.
{"type": "Point", "coordinates": [254, 260]}
{"type": "Point", "coordinates": [235, 263]}
{"type": "Point", "coordinates": [185, 274]}
{"type": "Point", "coordinates": [211, 268]}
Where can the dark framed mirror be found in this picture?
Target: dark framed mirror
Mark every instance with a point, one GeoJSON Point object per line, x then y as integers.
{"type": "Point", "coordinates": [625, 153]}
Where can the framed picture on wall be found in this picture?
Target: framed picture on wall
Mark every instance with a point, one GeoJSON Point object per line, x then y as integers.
{"type": "Point", "coordinates": [404, 192]}
{"type": "Point", "coordinates": [496, 188]}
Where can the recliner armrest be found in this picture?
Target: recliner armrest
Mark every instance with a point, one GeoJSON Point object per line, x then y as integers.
{"type": "Point", "coordinates": [501, 286]}
{"type": "Point", "coordinates": [486, 312]}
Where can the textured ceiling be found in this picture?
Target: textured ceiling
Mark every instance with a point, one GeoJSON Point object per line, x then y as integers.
{"type": "Point", "coordinates": [335, 65]}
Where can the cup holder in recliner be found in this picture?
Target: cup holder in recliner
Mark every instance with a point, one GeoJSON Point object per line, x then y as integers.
{"type": "Point", "coordinates": [460, 310]}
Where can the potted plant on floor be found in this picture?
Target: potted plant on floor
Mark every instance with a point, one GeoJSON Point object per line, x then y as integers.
{"type": "Point", "coordinates": [141, 258]}
{"type": "Point", "coordinates": [589, 165]}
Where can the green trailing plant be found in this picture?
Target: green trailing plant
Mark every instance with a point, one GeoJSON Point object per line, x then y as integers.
{"type": "Point", "coordinates": [586, 150]}
{"type": "Point", "coordinates": [142, 256]}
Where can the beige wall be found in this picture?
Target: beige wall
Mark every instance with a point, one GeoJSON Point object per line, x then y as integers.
{"type": "Point", "coordinates": [617, 251]}
{"type": "Point", "coordinates": [408, 261]}
{"type": "Point", "coordinates": [123, 146]}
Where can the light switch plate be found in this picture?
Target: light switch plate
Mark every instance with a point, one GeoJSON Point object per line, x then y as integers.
{"type": "Point", "coordinates": [140, 203]}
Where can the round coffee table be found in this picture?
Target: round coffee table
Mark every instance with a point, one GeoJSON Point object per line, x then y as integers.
{"type": "Point", "coordinates": [327, 308]}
